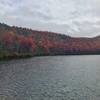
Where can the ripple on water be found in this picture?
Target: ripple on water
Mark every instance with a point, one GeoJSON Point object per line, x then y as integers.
{"type": "Point", "coordinates": [51, 78]}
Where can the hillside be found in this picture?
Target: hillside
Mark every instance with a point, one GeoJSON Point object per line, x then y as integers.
{"type": "Point", "coordinates": [16, 42]}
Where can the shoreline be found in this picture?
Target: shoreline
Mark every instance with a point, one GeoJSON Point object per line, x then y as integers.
{"type": "Point", "coordinates": [12, 57]}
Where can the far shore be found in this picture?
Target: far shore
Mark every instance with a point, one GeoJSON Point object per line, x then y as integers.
{"type": "Point", "coordinates": [11, 57]}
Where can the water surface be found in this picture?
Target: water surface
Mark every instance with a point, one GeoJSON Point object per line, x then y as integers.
{"type": "Point", "coordinates": [51, 78]}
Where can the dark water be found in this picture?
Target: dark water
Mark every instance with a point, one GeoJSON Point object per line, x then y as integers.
{"type": "Point", "coordinates": [51, 78]}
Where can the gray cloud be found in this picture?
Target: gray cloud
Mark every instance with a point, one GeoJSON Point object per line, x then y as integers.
{"type": "Point", "coordinates": [72, 17]}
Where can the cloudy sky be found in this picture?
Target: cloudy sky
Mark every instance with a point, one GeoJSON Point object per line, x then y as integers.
{"type": "Point", "coordinates": [72, 17]}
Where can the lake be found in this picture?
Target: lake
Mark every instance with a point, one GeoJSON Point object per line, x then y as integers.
{"type": "Point", "coordinates": [51, 78]}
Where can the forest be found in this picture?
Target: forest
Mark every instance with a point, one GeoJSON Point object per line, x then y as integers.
{"type": "Point", "coordinates": [18, 42]}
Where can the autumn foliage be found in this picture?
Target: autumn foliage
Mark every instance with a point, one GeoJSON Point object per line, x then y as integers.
{"type": "Point", "coordinates": [17, 41]}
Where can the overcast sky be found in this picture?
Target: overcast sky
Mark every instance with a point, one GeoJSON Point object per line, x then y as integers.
{"type": "Point", "coordinates": [71, 17]}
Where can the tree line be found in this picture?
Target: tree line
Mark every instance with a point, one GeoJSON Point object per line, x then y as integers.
{"type": "Point", "coordinates": [22, 42]}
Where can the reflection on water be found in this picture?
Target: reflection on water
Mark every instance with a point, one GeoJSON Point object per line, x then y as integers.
{"type": "Point", "coordinates": [51, 78]}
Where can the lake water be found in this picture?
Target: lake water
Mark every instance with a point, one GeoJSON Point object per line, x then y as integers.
{"type": "Point", "coordinates": [51, 78]}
